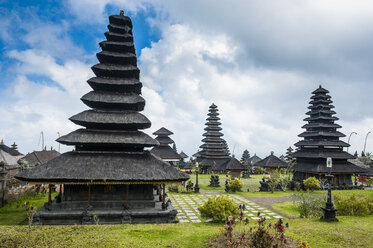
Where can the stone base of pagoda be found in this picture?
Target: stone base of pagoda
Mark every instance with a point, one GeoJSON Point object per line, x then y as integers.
{"type": "Point", "coordinates": [81, 214]}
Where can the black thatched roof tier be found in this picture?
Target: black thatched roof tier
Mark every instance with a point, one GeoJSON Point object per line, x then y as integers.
{"type": "Point", "coordinates": [163, 131]}
{"type": "Point", "coordinates": [213, 134]}
{"type": "Point", "coordinates": [321, 134]}
{"type": "Point", "coordinates": [118, 37]}
{"type": "Point", "coordinates": [115, 120]}
{"type": "Point", "coordinates": [117, 58]}
{"type": "Point", "coordinates": [333, 143]}
{"type": "Point", "coordinates": [108, 137]}
{"type": "Point", "coordinates": [164, 140]}
{"type": "Point", "coordinates": [212, 146]}
{"type": "Point", "coordinates": [321, 139]}
{"type": "Point", "coordinates": [166, 153]}
{"type": "Point", "coordinates": [103, 167]}
{"type": "Point", "coordinates": [325, 153]}
{"type": "Point", "coordinates": [114, 100]}
{"type": "Point", "coordinates": [271, 162]}
{"type": "Point", "coordinates": [234, 165]}
{"type": "Point", "coordinates": [116, 71]}
{"type": "Point", "coordinates": [215, 123]}
{"type": "Point", "coordinates": [115, 84]}
{"type": "Point", "coordinates": [254, 159]}
{"type": "Point", "coordinates": [184, 166]}
{"type": "Point", "coordinates": [212, 128]}
{"type": "Point", "coordinates": [117, 46]}
{"type": "Point", "coordinates": [212, 140]}
{"type": "Point", "coordinates": [321, 125]}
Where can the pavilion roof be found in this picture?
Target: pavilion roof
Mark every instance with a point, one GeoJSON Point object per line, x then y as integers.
{"type": "Point", "coordinates": [9, 150]}
{"type": "Point", "coordinates": [7, 158]}
{"type": "Point", "coordinates": [163, 131]}
{"type": "Point", "coordinates": [165, 152]}
{"type": "Point", "coordinates": [103, 167]}
{"type": "Point", "coordinates": [40, 157]}
{"type": "Point", "coordinates": [183, 155]}
{"type": "Point", "coordinates": [271, 162]}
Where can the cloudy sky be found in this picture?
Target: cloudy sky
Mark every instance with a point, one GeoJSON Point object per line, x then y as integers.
{"type": "Point", "coordinates": [258, 61]}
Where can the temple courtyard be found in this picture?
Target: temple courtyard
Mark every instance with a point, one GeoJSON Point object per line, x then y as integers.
{"type": "Point", "coordinates": [192, 230]}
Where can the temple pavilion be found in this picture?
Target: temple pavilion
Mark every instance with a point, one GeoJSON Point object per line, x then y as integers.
{"type": "Point", "coordinates": [164, 150]}
{"type": "Point", "coordinates": [214, 156]}
{"type": "Point", "coordinates": [109, 175]}
{"type": "Point", "coordinates": [320, 141]}
{"type": "Point", "coordinates": [271, 163]}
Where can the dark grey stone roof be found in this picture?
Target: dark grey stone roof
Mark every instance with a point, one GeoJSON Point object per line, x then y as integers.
{"type": "Point", "coordinates": [103, 166]}
{"type": "Point", "coordinates": [114, 100]}
{"type": "Point", "coordinates": [254, 159]}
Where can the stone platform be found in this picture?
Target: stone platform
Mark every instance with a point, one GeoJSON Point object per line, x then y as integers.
{"type": "Point", "coordinates": [89, 215]}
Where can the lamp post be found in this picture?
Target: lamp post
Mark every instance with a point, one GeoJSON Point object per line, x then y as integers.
{"type": "Point", "coordinates": [196, 188]}
{"type": "Point", "coordinates": [349, 137]}
{"type": "Point", "coordinates": [365, 143]}
{"type": "Point", "coordinates": [329, 210]}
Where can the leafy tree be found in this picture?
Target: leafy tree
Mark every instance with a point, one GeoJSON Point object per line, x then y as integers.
{"type": "Point", "coordinates": [245, 156]}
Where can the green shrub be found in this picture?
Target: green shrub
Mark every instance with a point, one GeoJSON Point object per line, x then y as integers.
{"type": "Point", "coordinates": [307, 204]}
{"type": "Point", "coordinates": [311, 183]}
{"type": "Point", "coordinates": [235, 185]}
{"type": "Point", "coordinates": [369, 182]}
{"type": "Point", "coordinates": [173, 188]}
{"type": "Point", "coordinates": [218, 208]}
{"type": "Point", "coordinates": [351, 205]}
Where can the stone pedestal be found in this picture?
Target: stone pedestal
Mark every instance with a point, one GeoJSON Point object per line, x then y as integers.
{"type": "Point", "coordinates": [329, 214]}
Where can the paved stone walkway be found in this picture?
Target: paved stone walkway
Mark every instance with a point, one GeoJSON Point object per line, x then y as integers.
{"type": "Point", "coordinates": [187, 207]}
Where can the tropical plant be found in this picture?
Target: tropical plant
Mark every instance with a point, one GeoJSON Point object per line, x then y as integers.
{"type": "Point", "coordinates": [218, 208]}
{"type": "Point", "coordinates": [312, 183]}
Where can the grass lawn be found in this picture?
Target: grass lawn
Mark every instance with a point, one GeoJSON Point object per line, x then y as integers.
{"type": "Point", "coordinates": [323, 192]}
{"type": "Point", "coordinates": [350, 231]}
{"type": "Point", "coordinates": [162, 235]}
{"type": "Point", "coordinates": [11, 215]}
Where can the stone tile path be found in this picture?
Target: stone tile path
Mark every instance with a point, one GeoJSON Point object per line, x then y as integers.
{"type": "Point", "coordinates": [187, 207]}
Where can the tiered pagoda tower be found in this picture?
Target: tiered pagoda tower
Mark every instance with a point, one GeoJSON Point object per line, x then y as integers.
{"type": "Point", "coordinates": [164, 150]}
{"type": "Point", "coordinates": [109, 174]}
{"type": "Point", "coordinates": [321, 140]}
{"type": "Point", "coordinates": [213, 155]}
{"type": "Point", "coordinates": [289, 154]}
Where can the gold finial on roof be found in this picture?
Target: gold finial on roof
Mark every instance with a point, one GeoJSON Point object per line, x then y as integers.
{"type": "Point", "coordinates": [121, 13]}
{"type": "Point", "coordinates": [2, 142]}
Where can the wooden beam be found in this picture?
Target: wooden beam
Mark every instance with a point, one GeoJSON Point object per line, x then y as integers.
{"type": "Point", "coordinates": [89, 194]}
{"type": "Point", "coordinates": [164, 193]}
{"type": "Point", "coordinates": [50, 194]}
{"type": "Point", "coordinates": [127, 190]}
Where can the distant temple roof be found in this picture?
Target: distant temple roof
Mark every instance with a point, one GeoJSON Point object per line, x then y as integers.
{"type": "Point", "coordinates": [7, 158]}
{"type": "Point", "coordinates": [183, 155]}
{"type": "Point", "coordinates": [9, 150]}
{"type": "Point", "coordinates": [271, 162]}
{"type": "Point", "coordinates": [40, 157]}
{"type": "Point", "coordinates": [164, 151]}
{"type": "Point", "coordinates": [163, 131]}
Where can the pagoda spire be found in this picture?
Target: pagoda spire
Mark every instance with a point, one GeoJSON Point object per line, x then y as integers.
{"type": "Point", "coordinates": [321, 140]}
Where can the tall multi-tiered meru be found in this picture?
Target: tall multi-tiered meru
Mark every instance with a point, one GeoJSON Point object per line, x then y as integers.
{"type": "Point", "coordinates": [109, 174]}
{"type": "Point", "coordinates": [213, 155]}
{"type": "Point", "coordinates": [164, 150]}
{"type": "Point", "coordinates": [321, 140]}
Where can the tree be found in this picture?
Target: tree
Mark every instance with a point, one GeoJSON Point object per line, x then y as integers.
{"type": "Point", "coordinates": [245, 156]}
